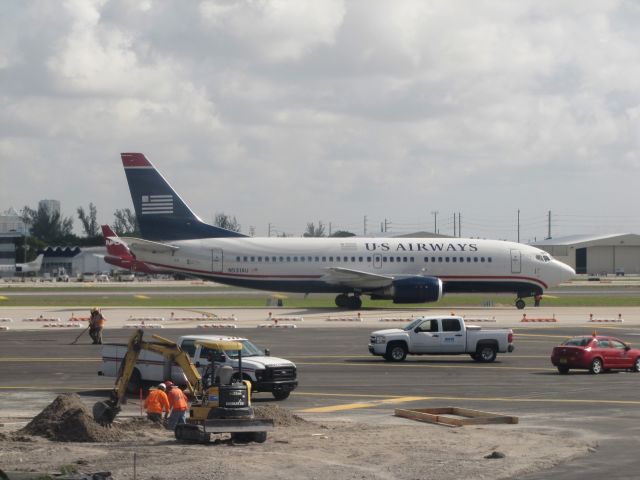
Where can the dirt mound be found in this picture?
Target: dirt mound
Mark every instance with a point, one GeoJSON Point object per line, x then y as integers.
{"type": "Point", "coordinates": [281, 416]}
{"type": "Point", "coordinates": [67, 419]}
{"type": "Point", "coordinates": [136, 424]}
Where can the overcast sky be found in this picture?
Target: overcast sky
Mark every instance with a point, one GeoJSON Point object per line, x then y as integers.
{"type": "Point", "coordinates": [287, 112]}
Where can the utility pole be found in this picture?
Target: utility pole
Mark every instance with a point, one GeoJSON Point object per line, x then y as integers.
{"type": "Point", "coordinates": [459, 225]}
{"type": "Point", "coordinates": [269, 233]}
{"type": "Point", "coordinates": [386, 226]}
{"type": "Point", "coordinates": [435, 221]}
{"type": "Point", "coordinates": [329, 228]}
{"type": "Point", "coordinates": [518, 225]}
{"type": "Point", "coordinates": [455, 234]}
{"type": "Point", "coordinates": [549, 227]}
{"type": "Point", "coordinates": [365, 225]}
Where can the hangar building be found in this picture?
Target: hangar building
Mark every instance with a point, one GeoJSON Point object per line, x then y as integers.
{"type": "Point", "coordinates": [617, 253]}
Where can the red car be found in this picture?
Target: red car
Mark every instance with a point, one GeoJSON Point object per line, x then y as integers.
{"type": "Point", "coordinates": [595, 353]}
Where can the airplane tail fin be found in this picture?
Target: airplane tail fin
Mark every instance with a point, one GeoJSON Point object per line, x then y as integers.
{"type": "Point", "coordinates": [113, 247]}
{"type": "Point", "coordinates": [160, 211]}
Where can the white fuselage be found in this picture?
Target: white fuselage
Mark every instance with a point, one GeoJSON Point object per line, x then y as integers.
{"type": "Point", "coordinates": [303, 264]}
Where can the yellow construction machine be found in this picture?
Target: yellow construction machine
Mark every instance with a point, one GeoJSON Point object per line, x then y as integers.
{"type": "Point", "coordinates": [219, 404]}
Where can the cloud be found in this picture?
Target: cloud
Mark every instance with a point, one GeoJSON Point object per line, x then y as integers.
{"type": "Point", "coordinates": [293, 111]}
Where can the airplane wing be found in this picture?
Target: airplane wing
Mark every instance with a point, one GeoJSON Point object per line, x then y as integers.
{"type": "Point", "coordinates": [356, 279]}
{"type": "Point", "coordinates": [140, 245]}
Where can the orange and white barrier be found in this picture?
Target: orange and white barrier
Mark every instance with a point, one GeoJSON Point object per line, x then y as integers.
{"type": "Point", "coordinates": [277, 325]}
{"type": "Point", "coordinates": [144, 325]}
{"type": "Point", "coordinates": [345, 319]}
{"type": "Point", "coordinates": [397, 319]}
{"type": "Point", "coordinates": [78, 319]}
{"type": "Point", "coordinates": [546, 319]}
{"type": "Point", "coordinates": [4, 328]}
{"type": "Point", "coordinates": [606, 320]}
{"type": "Point", "coordinates": [145, 319]}
{"type": "Point", "coordinates": [479, 320]}
{"type": "Point", "coordinates": [6, 320]}
{"type": "Point", "coordinates": [41, 319]}
{"type": "Point", "coordinates": [217, 325]}
{"type": "Point", "coordinates": [284, 319]}
{"type": "Point", "coordinates": [61, 325]}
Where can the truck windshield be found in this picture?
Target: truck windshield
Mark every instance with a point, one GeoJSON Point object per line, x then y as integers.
{"type": "Point", "coordinates": [412, 325]}
{"type": "Point", "coordinates": [248, 350]}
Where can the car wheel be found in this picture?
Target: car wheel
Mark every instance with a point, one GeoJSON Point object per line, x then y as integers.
{"type": "Point", "coordinates": [596, 366]}
{"type": "Point", "coordinates": [563, 370]}
{"type": "Point", "coordinates": [281, 394]}
{"type": "Point", "coordinates": [487, 353]}
{"type": "Point", "coordinates": [396, 352]}
{"type": "Point", "coordinates": [636, 365]}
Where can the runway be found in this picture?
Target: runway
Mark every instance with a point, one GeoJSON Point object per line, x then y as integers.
{"type": "Point", "coordinates": [339, 379]}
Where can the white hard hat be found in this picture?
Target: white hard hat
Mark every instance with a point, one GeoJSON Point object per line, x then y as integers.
{"type": "Point", "coordinates": [162, 386]}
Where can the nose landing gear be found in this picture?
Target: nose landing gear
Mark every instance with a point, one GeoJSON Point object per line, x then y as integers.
{"type": "Point", "coordinates": [352, 302]}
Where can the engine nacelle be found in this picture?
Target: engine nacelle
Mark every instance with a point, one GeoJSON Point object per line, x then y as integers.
{"type": "Point", "coordinates": [412, 290]}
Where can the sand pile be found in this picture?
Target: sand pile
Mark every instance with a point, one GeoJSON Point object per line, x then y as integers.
{"type": "Point", "coordinates": [67, 419]}
{"type": "Point", "coordinates": [281, 416]}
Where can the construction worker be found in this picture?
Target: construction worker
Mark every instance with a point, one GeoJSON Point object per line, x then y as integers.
{"type": "Point", "coordinates": [179, 405]}
{"type": "Point", "coordinates": [156, 403]}
{"type": "Point", "coordinates": [96, 324]}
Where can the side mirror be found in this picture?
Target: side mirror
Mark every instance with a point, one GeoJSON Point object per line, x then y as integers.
{"type": "Point", "coordinates": [197, 364]}
{"type": "Point", "coordinates": [627, 348]}
{"type": "Point", "coordinates": [267, 352]}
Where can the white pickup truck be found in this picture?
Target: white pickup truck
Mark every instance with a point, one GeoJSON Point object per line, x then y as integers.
{"type": "Point", "coordinates": [266, 373]}
{"type": "Point", "coordinates": [446, 335]}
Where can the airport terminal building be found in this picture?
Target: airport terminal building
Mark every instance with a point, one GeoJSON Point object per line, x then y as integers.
{"type": "Point", "coordinates": [597, 254]}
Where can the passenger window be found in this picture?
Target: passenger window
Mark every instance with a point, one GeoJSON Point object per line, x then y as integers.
{"type": "Point", "coordinates": [281, 259]}
{"type": "Point", "coordinates": [482, 259]}
{"type": "Point", "coordinates": [324, 259]}
{"type": "Point", "coordinates": [446, 259]}
{"type": "Point", "coordinates": [384, 259]}
{"type": "Point", "coordinates": [411, 259]}
{"type": "Point", "coordinates": [404, 259]}
{"type": "Point", "coordinates": [259, 259]}
{"type": "Point", "coordinates": [330, 259]}
{"type": "Point", "coordinates": [337, 259]}
{"type": "Point", "coordinates": [454, 259]}
{"type": "Point", "coordinates": [489, 259]}
{"type": "Point", "coordinates": [237, 259]}
{"type": "Point", "coordinates": [302, 259]}
{"type": "Point", "coordinates": [353, 259]}
{"type": "Point", "coordinates": [468, 259]}
{"type": "Point", "coordinates": [426, 259]}
{"type": "Point", "coordinates": [253, 259]}
{"type": "Point", "coordinates": [244, 259]}
{"type": "Point", "coordinates": [266, 259]}
{"type": "Point", "coordinates": [451, 325]}
{"type": "Point", "coordinates": [618, 345]}
{"type": "Point", "coordinates": [369, 259]}
{"type": "Point", "coordinates": [288, 259]}
{"type": "Point", "coordinates": [440, 259]}
{"type": "Point", "coordinates": [475, 259]}
{"type": "Point", "coordinates": [429, 326]}
{"type": "Point", "coordinates": [360, 259]}
{"type": "Point", "coordinates": [318, 259]}
{"type": "Point", "coordinates": [346, 259]}
{"type": "Point", "coordinates": [295, 259]}
{"type": "Point", "coordinates": [391, 259]}
{"type": "Point", "coordinates": [273, 259]}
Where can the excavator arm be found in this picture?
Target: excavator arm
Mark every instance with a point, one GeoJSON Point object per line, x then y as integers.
{"type": "Point", "coordinates": [104, 412]}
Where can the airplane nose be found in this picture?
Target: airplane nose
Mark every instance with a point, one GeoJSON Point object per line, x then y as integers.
{"type": "Point", "coordinates": [567, 273]}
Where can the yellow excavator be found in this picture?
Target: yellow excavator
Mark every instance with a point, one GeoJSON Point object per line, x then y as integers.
{"type": "Point", "coordinates": [219, 404]}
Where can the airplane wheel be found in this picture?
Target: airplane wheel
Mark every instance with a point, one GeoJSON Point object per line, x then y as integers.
{"type": "Point", "coordinates": [520, 304]}
{"type": "Point", "coordinates": [355, 303]}
{"type": "Point", "coordinates": [342, 300]}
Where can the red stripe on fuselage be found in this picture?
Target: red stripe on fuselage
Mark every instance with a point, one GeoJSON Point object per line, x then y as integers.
{"type": "Point", "coordinates": [443, 278]}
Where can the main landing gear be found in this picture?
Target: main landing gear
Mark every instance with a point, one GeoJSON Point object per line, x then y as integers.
{"type": "Point", "coordinates": [520, 303]}
{"type": "Point", "coordinates": [352, 302]}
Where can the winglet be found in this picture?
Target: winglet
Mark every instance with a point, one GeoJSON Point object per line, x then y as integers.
{"type": "Point", "coordinates": [134, 160]}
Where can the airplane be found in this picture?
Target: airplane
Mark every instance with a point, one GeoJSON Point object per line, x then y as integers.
{"type": "Point", "coordinates": [404, 270]}
{"type": "Point", "coordinates": [119, 255]}
{"type": "Point", "coordinates": [24, 268]}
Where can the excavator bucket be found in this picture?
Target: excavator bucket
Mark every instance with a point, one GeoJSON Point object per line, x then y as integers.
{"type": "Point", "coordinates": [105, 412]}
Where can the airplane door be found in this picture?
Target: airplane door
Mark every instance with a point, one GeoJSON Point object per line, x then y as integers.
{"type": "Point", "coordinates": [377, 261]}
{"type": "Point", "coordinates": [216, 259]}
{"type": "Point", "coordinates": [516, 261]}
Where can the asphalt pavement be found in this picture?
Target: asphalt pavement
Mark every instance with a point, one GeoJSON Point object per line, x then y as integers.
{"type": "Point", "coordinates": [339, 379]}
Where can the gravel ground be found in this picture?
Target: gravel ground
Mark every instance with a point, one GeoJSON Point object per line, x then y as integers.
{"type": "Point", "coordinates": [296, 449]}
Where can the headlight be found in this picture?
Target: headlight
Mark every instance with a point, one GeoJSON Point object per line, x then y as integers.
{"type": "Point", "coordinates": [379, 339]}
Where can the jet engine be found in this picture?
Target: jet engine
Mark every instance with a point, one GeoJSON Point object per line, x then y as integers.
{"type": "Point", "coordinates": [412, 290]}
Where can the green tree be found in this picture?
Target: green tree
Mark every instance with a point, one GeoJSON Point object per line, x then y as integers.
{"type": "Point", "coordinates": [126, 223]}
{"type": "Point", "coordinates": [50, 227]}
{"type": "Point", "coordinates": [227, 222]}
{"type": "Point", "coordinates": [342, 233]}
{"type": "Point", "coordinates": [313, 231]}
{"type": "Point", "coordinates": [89, 221]}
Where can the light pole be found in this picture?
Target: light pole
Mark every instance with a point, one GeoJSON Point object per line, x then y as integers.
{"type": "Point", "coordinates": [435, 221]}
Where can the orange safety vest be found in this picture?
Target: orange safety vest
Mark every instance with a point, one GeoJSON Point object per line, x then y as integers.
{"type": "Point", "coordinates": [177, 399]}
{"type": "Point", "coordinates": [156, 402]}
{"type": "Point", "coordinates": [100, 320]}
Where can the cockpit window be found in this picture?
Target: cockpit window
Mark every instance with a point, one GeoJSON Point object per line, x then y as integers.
{"type": "Point", "coordinates": [543, 258]}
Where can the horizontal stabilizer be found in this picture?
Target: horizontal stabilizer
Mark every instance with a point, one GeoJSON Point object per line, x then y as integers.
{"type": "Point", "coordinates": [140, 245]}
